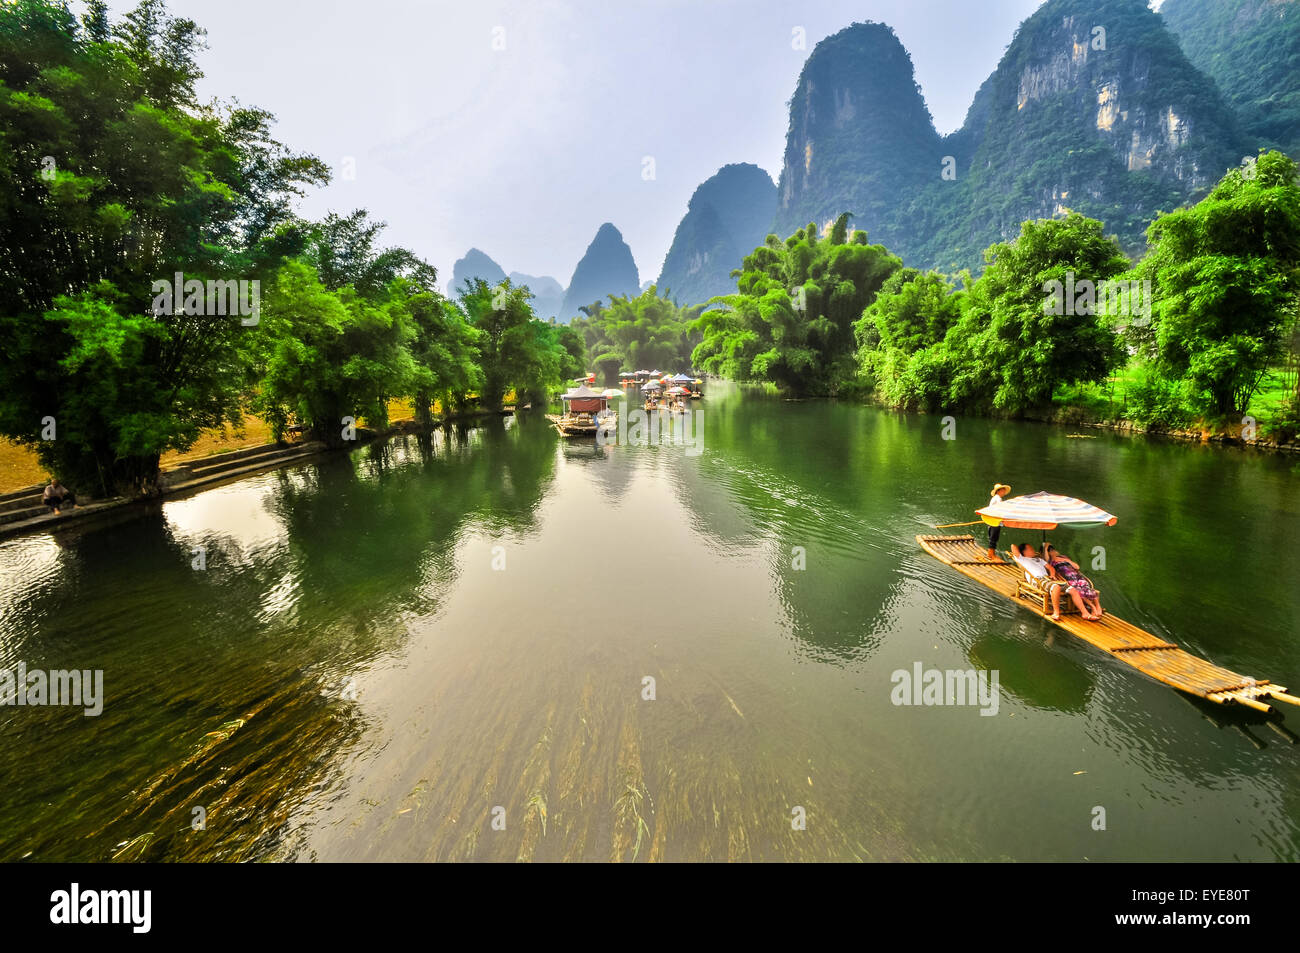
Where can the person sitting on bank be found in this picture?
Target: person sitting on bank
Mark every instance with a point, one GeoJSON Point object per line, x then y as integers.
{"type": "Point", "coordinates": [1068, 570]}
{"type": "Point", "coordinates": [1039, 570]}
{"type": "Point", "coordinates": [57, 496]}
{"type": "Point", "coordinates": [1000, 491]}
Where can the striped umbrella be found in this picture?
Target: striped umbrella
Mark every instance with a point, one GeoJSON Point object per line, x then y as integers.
{"type": "Point", "coordinates": [1043, 510]}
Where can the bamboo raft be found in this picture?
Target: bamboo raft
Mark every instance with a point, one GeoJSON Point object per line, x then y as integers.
{"type": "Point", "coordinates": [570, 426]}
{"type": "Point", "coordinates": [1150, 655]}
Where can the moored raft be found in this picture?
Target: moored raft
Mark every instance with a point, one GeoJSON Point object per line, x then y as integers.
{"type": "Point", "coordinates": [586, 413]}
{"type": "Point", "coordinates": [1135, 647]}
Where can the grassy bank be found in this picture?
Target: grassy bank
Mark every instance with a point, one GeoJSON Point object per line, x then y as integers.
{"type": "Point", "coordinates": [1124, 401]}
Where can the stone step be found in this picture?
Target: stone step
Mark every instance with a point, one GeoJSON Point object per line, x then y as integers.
{"type": "Point", "coordinates": [36, 488]}
{"type": "Point", "coordinates": [182, 479]}
{"type": "Point", "coordinates": [268, 456]}
{"type": "Point", "coordinates": [15, 516]}
{"type": "Point", "coordinates": [22, 502]}
{"type": "Point", "coordinates": [251, 466]}
{"type": "Point", "coordinates": [196, 463]}
{"type": "Point", "coordinates": [46, 519]}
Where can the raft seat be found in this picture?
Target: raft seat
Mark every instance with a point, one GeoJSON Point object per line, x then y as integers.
{"type": "Point", "coordinates": [1041, 595]}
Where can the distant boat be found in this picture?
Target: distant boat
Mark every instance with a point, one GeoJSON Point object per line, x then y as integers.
{"type": "Point", "coordinates": [586, 413]}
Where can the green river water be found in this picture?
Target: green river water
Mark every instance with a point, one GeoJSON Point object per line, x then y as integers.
{"type": "Point", "coordinates": [437, 650]}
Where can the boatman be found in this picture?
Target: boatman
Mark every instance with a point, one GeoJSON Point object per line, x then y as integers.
{"type": "Point", "coordinates": [1000, 490]}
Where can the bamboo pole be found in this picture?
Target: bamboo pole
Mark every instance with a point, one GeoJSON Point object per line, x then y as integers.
{"type": "Point", "coordinates": [1240, 700]}
{"type": "Point", "coordinates": [951, 525]}
{"type": "Point", "coordinates": [1284, 697]}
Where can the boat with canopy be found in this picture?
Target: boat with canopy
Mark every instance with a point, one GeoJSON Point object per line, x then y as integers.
{"type": "Point", "coordinates": [1150, 654]}
{"type": "Point", "coordinates": [586, 413]}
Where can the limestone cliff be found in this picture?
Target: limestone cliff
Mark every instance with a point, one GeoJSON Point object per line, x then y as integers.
{"type": "Point", "coordinates": [728, 216]}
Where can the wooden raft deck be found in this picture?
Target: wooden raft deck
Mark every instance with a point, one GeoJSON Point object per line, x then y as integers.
{"type": "Point", "coordinates": [1162, 660]}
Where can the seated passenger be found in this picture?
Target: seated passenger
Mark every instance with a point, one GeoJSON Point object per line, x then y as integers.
{"type": "Point", "coordinates": [1038, 570]}
{"type": "Point", "coordinates": [1068, 570]}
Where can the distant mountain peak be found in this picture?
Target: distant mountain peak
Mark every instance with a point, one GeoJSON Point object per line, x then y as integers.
{"type": "Point", "coordinates": [606, 268]}
{"type": "Point", "coordinates": [548, 294]}
{"type": "Point", "coordinates": [860, 135]}
{"type": "Point", "coordinates": [728, 216]}
{"type": "Point", "coordinates": [475, 264]}
{"type": "Point", "coordinates": [1093, 108]}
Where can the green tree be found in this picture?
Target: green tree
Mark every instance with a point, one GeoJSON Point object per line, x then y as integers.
{"type": "Point", "coordinates": [112, 177]}
{"type": "Point", "coordinates": [1020, 337]}
{"type": "Point", "coordinates": [792, 319]}
{"type": "Point", "coordinates": [1226, 275]}
{"type": "Point", "coordinates": [382, 331]}
{"type": "Point", "coordinates": [570, 339]}
{"type": "Point", "coordinates": [324, 355]}
{"type": "Point", "coordinates": [342, 250]}
{"type": "Point", "coordinates": [912, 313]}
{"type": "Point", "coordinates": [516, 351]}
{"type": "Point", "coordinates": [444, 348]}
{"type": "Point", "coordinates": [95, 21]}
{"type": "Point", "coordinates": [643, 331]}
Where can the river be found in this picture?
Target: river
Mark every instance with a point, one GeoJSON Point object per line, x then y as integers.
{"type": "Point", "coordinates": [497, 645]}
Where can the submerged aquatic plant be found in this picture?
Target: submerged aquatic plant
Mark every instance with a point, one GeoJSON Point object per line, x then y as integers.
{"type": "Point", "coordinates": [538, 803]}
{"type": "Point", "coordinates": [137, 844]}
{"type": "Point", "coordinates": [627, 811]}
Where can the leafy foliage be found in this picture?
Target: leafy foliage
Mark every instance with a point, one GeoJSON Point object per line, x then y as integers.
{"type": "Point", "coordinates": [113, 176]}
{"type": "Point", "coordinates": [516, 351]}
{"type": "Point", "coordinates": [791, 320]}
{"type": "Point", "coordinates": [995, 344]}
{"type": "Point", "coordinates": [911, 316]}
{"type": "Point", "coordinates": [1252, 50]}
{"type": "Point", "coordinates": [324, 355]}
{"type": "Point", "coordinates": [1226, 274]}
{"type": "Point", "coordinates": [645, 331]}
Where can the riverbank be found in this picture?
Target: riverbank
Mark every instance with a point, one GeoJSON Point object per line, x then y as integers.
{"type": "Point", "coordinates": [1083, 415]}
{"type": "Point", "coordinates": [1238, 436]}
{"type": "Point", "coordinates": [21, 470]}
{"type": "Point", "coordinates": [22, 510]}
{"type": "Point", "coordinates": [1125, 404]}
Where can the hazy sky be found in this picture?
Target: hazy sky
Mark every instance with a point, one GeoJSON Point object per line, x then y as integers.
{"type": "Point", "coordinates": [523, 151]}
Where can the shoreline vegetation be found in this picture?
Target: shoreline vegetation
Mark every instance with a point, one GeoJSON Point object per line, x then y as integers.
{"type": "Point", "coordinates": [20, 468]}
{"type": "Point", "coordinates": [194, 472]}
{"type": "Point", "coordinates": [1200, 336]}
{"type": "Point", "coordinates": [108, 383]}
